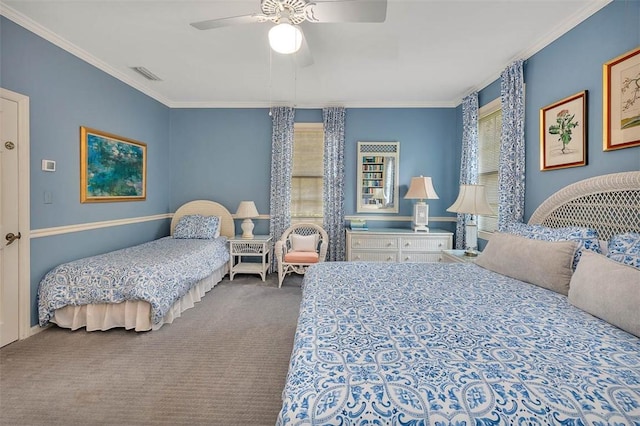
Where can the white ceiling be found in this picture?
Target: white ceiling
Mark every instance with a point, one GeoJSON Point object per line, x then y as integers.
{"type": "Point", "coordinates": [427, 52]}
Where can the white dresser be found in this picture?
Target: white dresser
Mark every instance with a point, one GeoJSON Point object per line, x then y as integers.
{"type": "Point", "coordinates": [397, 245]}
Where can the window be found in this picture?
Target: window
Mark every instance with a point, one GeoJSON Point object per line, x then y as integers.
{"type": "Point", "coordinates": [489, 131]}
{"type": "Point", "coordinates": [307, 174]}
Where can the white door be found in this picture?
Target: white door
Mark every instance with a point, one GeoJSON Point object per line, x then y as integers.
{"type": "Point", "coordinates": [9, 248]}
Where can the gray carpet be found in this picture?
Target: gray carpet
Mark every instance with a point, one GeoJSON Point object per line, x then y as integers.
{"type": "Point", "coordinates": [224, 362]}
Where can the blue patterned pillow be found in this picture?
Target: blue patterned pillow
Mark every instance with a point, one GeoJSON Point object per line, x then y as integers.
{"type": "Point", "coordinates": [197, 226]}
{"type": "Point", "coordinates": [586, 238]}
{"type": "Point", "coordinates": [625, 248]}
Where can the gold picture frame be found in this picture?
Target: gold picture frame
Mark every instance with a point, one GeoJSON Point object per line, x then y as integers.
{"type": "Point", "coordinates": [112, 168]}
{"type": "Point", "coordinates": [621, 101]}
{"type": "Point", "coordinates": [563, 136]}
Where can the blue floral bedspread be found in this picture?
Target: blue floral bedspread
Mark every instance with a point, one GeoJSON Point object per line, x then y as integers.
{"type": "Point", "coordinates": [452, 344]}
{"type": "Point", "coordinates": [159, 272]}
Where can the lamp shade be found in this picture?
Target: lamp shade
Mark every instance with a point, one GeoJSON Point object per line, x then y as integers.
{"type": "Point", "coordinates": [247, 210]}
{"type": "Point", "coordinates": [421, 188]}
{"type": "Point", "coordinates": [285, 38]}
{"type": "Point", "coordinates": [471, 199]}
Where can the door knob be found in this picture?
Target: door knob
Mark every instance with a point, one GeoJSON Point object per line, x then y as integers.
{"type": "Point", "coordinates": [11, 237]}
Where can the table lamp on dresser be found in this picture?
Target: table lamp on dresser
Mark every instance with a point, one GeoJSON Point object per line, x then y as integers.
{"type": "Point", "coordinates": [421, 189]}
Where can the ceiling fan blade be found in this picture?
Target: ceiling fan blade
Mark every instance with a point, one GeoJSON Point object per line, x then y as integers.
{"type": "Point", "coordinates": [347, 11]}
{"type": "Point", "coordinates": [303, 56]}
{"type": "Point", "coordinates": [225, 22]}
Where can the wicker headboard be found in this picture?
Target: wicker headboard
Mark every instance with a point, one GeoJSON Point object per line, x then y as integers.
{"type": "Point", "coordinates": [608, 203]}
{"type": "Point", "coordinates": [206, 208]}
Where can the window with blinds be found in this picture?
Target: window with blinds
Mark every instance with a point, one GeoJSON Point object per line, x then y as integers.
{"type": "Point", "coordinates": [306, 177]}
{"type": "Point", "coordinates": [489, 131]}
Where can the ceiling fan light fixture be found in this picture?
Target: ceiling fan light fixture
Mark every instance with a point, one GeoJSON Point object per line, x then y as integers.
{"type": "Point", "coordinates": [285, 38]}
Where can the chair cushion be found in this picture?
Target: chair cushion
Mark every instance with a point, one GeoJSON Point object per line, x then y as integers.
{"type": "Point", "coordinates": [304, 242]}
{"type": "Point", "coordinates": [301, 257]}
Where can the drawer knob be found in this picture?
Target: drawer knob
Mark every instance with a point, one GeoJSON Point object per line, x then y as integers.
{"type": "Point", "coordinates": [357, 243]}
{"type": "Point", "coordinates": [440, 245]}
{"type": "Point", "coordinates": [406, 259]}
{"type": "Point", "coordinates": [407, 244]}
{"type": "Point", "coordinates": [389, 259]}
{"type": "Point", "coordinates": [357, 258]}
{"type": "Point", "coordinates": [389, 244]}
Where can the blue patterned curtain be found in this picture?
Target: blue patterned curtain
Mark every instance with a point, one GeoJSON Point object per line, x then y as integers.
{"type": "Point", "coordinates": [469, 162]}
{"type": "Point", "coordinates": [333, 182]}
{"type": "Point", "coordinates": [281, 168]}
{"type": "Point", "coordinates": [512, 149]}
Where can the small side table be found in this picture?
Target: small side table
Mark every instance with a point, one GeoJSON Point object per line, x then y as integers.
{"type": "Point", "coordinates": [457, 256]}
{"type": "Point", "coordinates": [239, 248]}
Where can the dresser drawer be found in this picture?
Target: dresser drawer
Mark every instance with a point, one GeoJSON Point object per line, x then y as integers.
{"type": "Point", "coordinates": [427, 244]}
{"type": "Point", "coordinates": [421, 257]}
{"type": "Point", "coordinates": [397, 245]}
{"type": "Point", "coordinates": [371, 242]}
{"type": "Point", "coordinates": [374, 256]}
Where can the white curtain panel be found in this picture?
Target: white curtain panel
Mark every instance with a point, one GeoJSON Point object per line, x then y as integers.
{"type": "Point", "coordinates": [281, 169]}
{"type": "Point", "coordinates": [469, 161]}
{"type": "Point", "coordinates": [511, 167]}
{"type": "Point", "coordinates": [333, 184]}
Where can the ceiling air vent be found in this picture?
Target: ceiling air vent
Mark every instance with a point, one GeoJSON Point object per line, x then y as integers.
{"type": "Point", "coordinates": [146, 73]}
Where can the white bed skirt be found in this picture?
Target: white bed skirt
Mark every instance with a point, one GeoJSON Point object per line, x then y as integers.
{"type": "Point", "coordinates": [132, 314]}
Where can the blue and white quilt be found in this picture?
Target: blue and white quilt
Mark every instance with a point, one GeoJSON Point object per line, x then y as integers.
{"type": "Point", "coordinates": [159, 272]}
{"type": "Point", "coordinates": [452, 344]}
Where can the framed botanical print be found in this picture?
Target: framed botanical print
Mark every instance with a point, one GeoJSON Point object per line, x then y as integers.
{"type": "Point", "coordinates": [563, 136]}
{"type": "Point", "coordinates": [621, 101]}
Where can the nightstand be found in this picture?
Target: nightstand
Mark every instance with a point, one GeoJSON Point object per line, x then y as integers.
{"type": "Point", "coordinates": [258, 247]}
{"type": "Point", "coordinates": [457, 256]}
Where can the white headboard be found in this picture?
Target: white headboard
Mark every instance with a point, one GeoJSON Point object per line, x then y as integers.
{"type": "Point", "coordinates": [207, 208]}
{"type": "Point", "coordinates": [608, 203]}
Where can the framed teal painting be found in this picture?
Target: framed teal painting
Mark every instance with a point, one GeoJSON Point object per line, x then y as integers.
{"type": "Point", "coordinates": [112, 168]}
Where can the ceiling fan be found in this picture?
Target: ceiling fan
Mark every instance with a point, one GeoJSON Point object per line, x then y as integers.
{"type": "Point", "coordinates": [288, 14]}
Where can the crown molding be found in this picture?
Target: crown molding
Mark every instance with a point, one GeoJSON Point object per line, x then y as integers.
{"type": "Point", "coordinates": [345, 104]}
{"type": "Point", "coordinates": [50, 36]}
{"type": "Point", "coordinates": [566, 26]}
{"type": "Point", "coordinates": [29, 24]}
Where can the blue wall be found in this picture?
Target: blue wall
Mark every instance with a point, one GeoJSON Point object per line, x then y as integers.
{"type": "Point", "coordinates": [64, 94]}
{"type": "Point", "coordinates": [224, 154]}
{"type": "Point", "coordinates": [428, 147]}
{"type": "Point", "coordinates": [569, 65]}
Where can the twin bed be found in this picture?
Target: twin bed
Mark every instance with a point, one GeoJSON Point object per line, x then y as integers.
{"type": "Point", "coordinates": [145, 286]}
{"type": "Point", "coordinates": [460, 344]}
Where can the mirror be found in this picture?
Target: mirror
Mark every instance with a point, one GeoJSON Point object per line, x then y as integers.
{"type": "Point", "coordinates": [378, 177]}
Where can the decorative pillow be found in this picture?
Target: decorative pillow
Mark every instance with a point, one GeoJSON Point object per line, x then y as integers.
{"type": "Point", "coordinates": [197, 226]}
{"type": "Point", "coordinates": [304, 242]}
{"type": "Point", "coordinates": [608, 290]}
{"type": "Point", "coordinates": [625, 248]}
{"type": "Point", "coordinates": [587, 238]}
{"type": "Point", "coordinates": [543, 263]}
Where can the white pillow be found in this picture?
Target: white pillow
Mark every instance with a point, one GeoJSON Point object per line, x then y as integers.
{"type": "Point", "coordinates": [304, 242]}
{"type": "Point", "coordinates": [607, 289]}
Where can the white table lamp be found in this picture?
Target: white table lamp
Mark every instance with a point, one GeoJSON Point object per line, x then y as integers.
{"type": "Point", "coordinates": [421, 189]}
{"type": "Point", "coordinates": [247, 210]}
{"type": "Point", "coordinates": [472, 199]}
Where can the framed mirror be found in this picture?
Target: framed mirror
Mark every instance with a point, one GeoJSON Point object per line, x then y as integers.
{"type": "Point", "coordinates": [378, 177]}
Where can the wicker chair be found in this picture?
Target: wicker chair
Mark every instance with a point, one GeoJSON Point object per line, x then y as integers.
{"type": "Point", "coordinates": [300, 246]}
